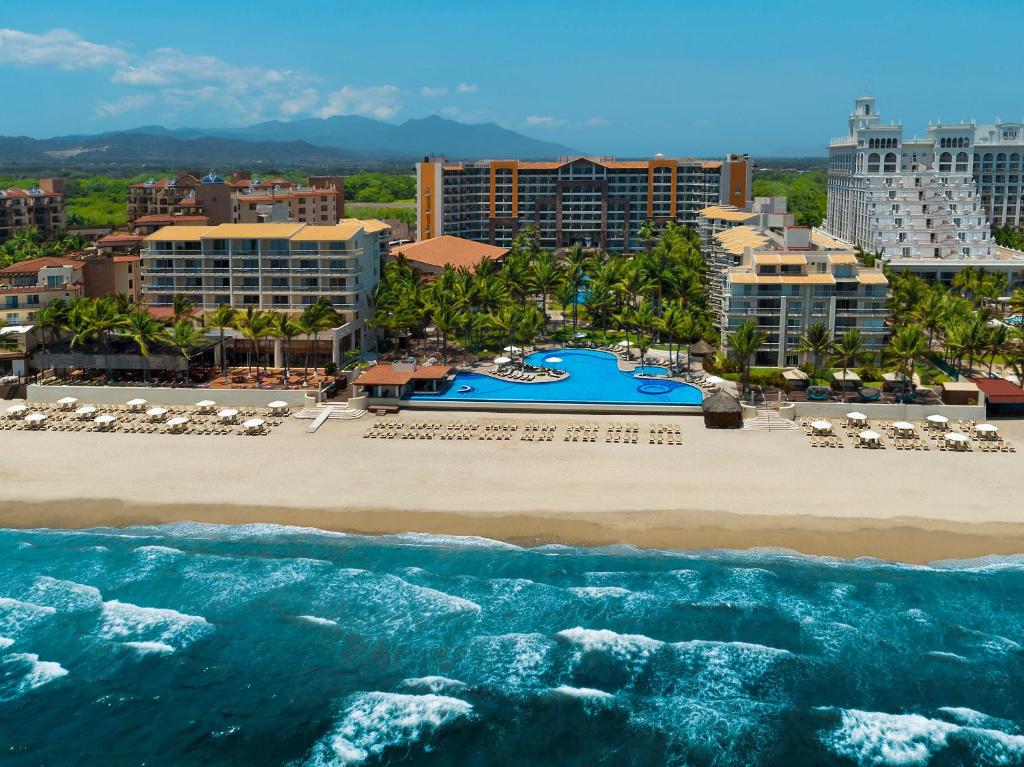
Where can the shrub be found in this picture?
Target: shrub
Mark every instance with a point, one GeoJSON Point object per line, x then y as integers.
{"type": "Point", "coordinates": [869, 373]}
{"type": "Point", "coordinates": [331, 368]}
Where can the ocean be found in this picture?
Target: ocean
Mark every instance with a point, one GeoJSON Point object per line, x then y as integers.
{"type": "Point", "coordinates": [193, 644]}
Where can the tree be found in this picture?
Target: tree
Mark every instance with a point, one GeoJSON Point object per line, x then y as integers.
{"type": "Point", "coordinates": [145, 332]}
{"type": "Point", "coordinates": [51, 318]}
{"type": "Point", "coordinates": [816, 342]}
{"type": "Point", "coordinates": [285, 327]}
{"type": "Point", "coordinates": [907, 345]}
{"type": "Point", "coordinates": [252, 324]}
{"type": "Point", "coordinates": [182, 306]}
{"type": "Point", "coordinates": [315, 319]}
{"type": "Point", "coordinates": [848, 351]}
{"type": "Point", "coordinates": [543, 277]}
{"type": "Point", "coordinates": [185, 336]}
{"type": "Point", "coordinates": [647, 233]}
{"type": "Point", "coordinates": [745, 342]}
{"type": "Point", "coordinates": [997, 341]}
{"type": "Point", "coordinates": [221, 318]}
{"type": "Point", "coordinates": [931, 312]}
{"type": "Point", "coordinates": [565, 295]}
{"type": "Point", "coordinates": [447, 320]}
{"type": "Point", "coordinates": [644, 321]}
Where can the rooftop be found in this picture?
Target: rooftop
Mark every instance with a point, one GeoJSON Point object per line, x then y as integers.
{"type": "Point", "coordinates": [726, 213]}
{"type": "Point", "coordinates": [33, 265]}
{"type": "Point", "coordinates": [447, 250]}
{"type": "Point", "coordinates": [386, 375]}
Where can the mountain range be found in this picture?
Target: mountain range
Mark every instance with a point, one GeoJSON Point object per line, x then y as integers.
{"type": "Point", "coordinates": [313, 142]}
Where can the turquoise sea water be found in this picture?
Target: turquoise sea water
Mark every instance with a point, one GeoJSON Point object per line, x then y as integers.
{"type": "Point", "coordinates": [261, 645]}
{"type": "Point", "coordinates": [594, 377]}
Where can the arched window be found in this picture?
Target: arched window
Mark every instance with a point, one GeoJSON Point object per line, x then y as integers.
{"type": "Point", "coordinates": [1014, 161]}
{"type": "Point", "coordinates": [890, 162]}
{"type": "Point", "coordinates": [961, 162]}
{"type": "Point", "coordinates": [945, 162]}
{"type": "Point", "coordinates": [1001, 161]}
{"type": "Point", "coordinates": [873, 161]}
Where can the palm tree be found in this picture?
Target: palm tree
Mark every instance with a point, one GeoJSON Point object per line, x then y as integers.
{"type": "Point", "coordinates": [285, 327]}
{"type": "Point", "coordinates": [565, 295]}
{"type": "Point", "coordinates": [745, 342]}
{"type": "Point", "coordinates": [145, 331]}
{"type": "Point", "coordinates": [314, 319]}
{"type": "Point", "coordinates": [182, 306]}
{"type": "Point", "coordinates": [996, 342]}
{"type": "Point", "coordinates": [51, 318]}
{"type": "Point", "coordinates": [816, 342]}
{"type": "Point", "coordinates": [849, 350]}
{"type": "Point", "coordinates": [647, 234]}
{"type": "Point", "coordinates": [931, 312]}
{"type": "Point", "coordinates": [543, 277]}
{"type": "Point", "coordinates": [907, 345]}
{"type": "Point", "coordinates": [185, 336]}
{"type": "Point", "coordinates": [221, 318]}
{"type": "Point", "coordinates": [447, 319]}
{"type": "Point", "coordinates": [252, 324]}
{"type": "Point", "coordinates": [507, 323]}
{"type": "Point", "coordinates": [644, 321]}
{"type": "Point", "coordinates": [576, 266]}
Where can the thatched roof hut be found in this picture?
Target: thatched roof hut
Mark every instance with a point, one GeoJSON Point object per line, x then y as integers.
{"type": "Point", "coordinates": [702, 348]}
{"type": "Point", "coordinates": [722, 411]}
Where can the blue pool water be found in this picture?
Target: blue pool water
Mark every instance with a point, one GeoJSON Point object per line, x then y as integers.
{"type": "Point", "coordinates": [650, 370]}
{"type": "Point", "coordinates": [1015, 320]}
{"type": "Point", "coordinates": [594, 378]}
{"type": "Point", "coordinates": [267, 646]}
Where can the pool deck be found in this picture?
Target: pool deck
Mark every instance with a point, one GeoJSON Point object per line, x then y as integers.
{"type": "Point", "coordinates": [502, 406]}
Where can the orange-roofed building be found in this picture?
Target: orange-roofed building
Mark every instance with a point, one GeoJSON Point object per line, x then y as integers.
{"type": "Point", "coordinates": [597, 202]}
{"type": "Point", "coordinates": [430, 257]}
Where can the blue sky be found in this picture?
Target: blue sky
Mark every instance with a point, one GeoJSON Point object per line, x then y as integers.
{"type": "Point", "coordinates": [624, 78]}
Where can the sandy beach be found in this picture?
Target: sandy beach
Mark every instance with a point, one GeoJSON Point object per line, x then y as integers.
{"type": "Point", "coordinates": [720, 489]}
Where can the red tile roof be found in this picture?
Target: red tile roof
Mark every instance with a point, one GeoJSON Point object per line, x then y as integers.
{"type": "Point", "coordinates": [33, 265]}
{"type": "Point", "coordinates": [999, 391]}
{"type": "Point", "coordinates": [126, 259]}
{"type": "Point", "coordinates": [441, 251]}
{"type": "Point", "coordinates": [120, 239]}
{"type": "Point", "coordinates": [386, 375]}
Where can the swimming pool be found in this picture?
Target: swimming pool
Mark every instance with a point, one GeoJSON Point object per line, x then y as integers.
{"type": "Point", "coordinates": [594, 378]}
{"type": "Point", "coordinates": [650, 370]}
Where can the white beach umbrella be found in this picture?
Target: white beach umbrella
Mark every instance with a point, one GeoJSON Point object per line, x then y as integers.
{"type": "Point", "coordinates": [85, 411]}
{"type": "Point", "coordinates": [138, 402]}
{"type": "Point", "coordinates": [940, 419]}
{"type": "Point", "coordinates": [35, 419]}
{"type": "Point", "coordinates": [16, 410]}
{"type": "Point", "coordinates": [903, 426]}
{"type": "Point", "coordinates": [512, 349]}
{"type": "Point", "coordinates": [856, 416]}
{"type": "Point", "coordinates": [714, 380]}
{"type": "Point", "coordinates": [986, 428]}
{"type": "Point", "coordinates": [869, 436]}
{"type": "Point", "coordinates": [957, 437]}
{"type": "Point", "coordinates": [253, 424]}
{"type": "Point", "coordinates": [502, 360]}
{"type": "Point", "coordinates": [623, 344]}
{"type": "Point", "coordinates": [104, 420]}
{"type": "Point", "coordinates": [177, 423]}
{"type": "Point", "coordinates": [228, 414]}
{"type": "Point", "coordinates": [205, 404]}
{"type": "Point", "coordinates": [67, 402]}
{"type": "Point", "coordinates": [156, 412]}
{"type": "Point", "coordinates": [277, 404]}
{"type": "Point", "coordinates": [821, 426]}
{"type": "Point", "coordinates": [579, 335]}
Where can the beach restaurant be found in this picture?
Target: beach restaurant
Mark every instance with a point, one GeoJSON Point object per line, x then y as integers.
{"type": "Point", "coordinates": [399, 379]}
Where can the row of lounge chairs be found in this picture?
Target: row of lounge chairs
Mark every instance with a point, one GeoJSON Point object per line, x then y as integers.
{"type": "Point", "coordinates": [623, 433]}
{"type": "Point", "coordinates": [665, 434]}
{"type": "Point", "coordinates": [628, 433]}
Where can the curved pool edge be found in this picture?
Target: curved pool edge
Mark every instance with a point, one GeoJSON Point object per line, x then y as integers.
{"type": "Point", "coordinates": [566, 408]}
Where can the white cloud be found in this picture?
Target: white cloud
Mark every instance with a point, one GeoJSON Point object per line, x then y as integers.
{"type": "Point", "coordinates": [544, 121]}
{"type": "Point", "coordinates": [431, 93]}
{"type": "Point", "coordinates": [378, 101]}
{"type": "Point", "coordinates": [596, 122]}
{"type": "Point", "coordinates": [58, 48]}
{"type": "Point", "coordinates": [302, 102]}
{"type": "Point", "coordinates": [467, 88]}
{"type": "Point", "coordinates": [124, 104]}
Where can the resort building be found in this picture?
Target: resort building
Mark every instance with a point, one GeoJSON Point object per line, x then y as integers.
{"type": "Point", "coordinates": [305, 204]}
{"type": "Point", "coordinates": [282, 267]}
{"type": "Point", "coordinates": [764, 212]}
{"type": "Point", "coordinates": [789, 279]}
{"type": "Point", "coordinates": [916, 201]}
{"type": "Point", "coordinates": [28, 286]}
{"type": "Point", "coordinates": [594, 201]}
{"type": "Point", "coordinates": [114, 273]}
{"type": "Point", "coordinates": [382, 230]}
{"type": "Point", "coordinates": [430, 257]}
{"type": "Point", "coordinates": [41, 207]}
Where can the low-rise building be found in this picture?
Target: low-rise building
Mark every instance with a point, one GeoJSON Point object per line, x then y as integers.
{"type": "Point", "coordinates": [28, 286]}
{"type": "Point", "coordinates": [41, 207]}
{"type": "Point", "coordinates": [789, 279]}
{"type": "Point", "coordinates": [430, 257]}
{"type": "Point", "coordinates": [283, 267]}
{"type": "Point", "coordinates": [114, 273]}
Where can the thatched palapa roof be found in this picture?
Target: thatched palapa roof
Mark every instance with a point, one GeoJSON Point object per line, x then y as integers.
{"type": "Point", "coordinates": [703, 348]}
{"type": "Point", "coordinates": [721, 402]}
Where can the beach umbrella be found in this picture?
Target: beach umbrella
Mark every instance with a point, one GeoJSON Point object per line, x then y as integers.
{"type": "Point", "coordinates": [957, 438]}
{"type": "Point", "coordinates": [35, 419]}
{"type": "Point", "coordinates": [16, 410]}
{"type": "Point", "coordinates": [104, 420]}
{"type": "Point", "coordinates": [869, 436]}
{"type": "Point", "coordinates": [85, 411]}
{"type": "Point", "coordinates": [986, 428]}
{"type": "Point", "coordinates": [856, 416]}
{"type": "Point", "coordinates": [937, 419]}
{"type": "Point", "coordinates": [512, 349]}
{"type": "Point", "coordinates": [623, 344]}
{"type": "Point", "coordinates": [66, 402]}
{"type": "Point", "coordinates": [177, 423]}
{"type": "Point", "coordinates": [821, 426]}
{"type": "Point", "coordinates": [903, 426]}
{"type": "Point", "coordinates": [276, 404]}
{"type": "Point", "coordinates": [155, 413]}
{"type": "Point", "coordinates": [253, 424]}
{"type": "Point", "coordinates": [714, 380]}
{"type": "Point", "coordinates": [228, 414]}
{"type": "Point", "coordinates": [579, 335]}
{"type": "Point", "coordinates": [206, 404]}
{"type": "Point", "coordinates": [502, 360]}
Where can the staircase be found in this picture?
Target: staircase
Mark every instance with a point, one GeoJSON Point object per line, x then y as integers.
{"type": "Point", "coordinates": [322, 412]}
{"type": "Point", "coordinates": [768, 419]}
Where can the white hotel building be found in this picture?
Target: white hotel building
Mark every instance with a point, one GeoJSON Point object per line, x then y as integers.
{"type": "Point", "coordinates": [914, 201]}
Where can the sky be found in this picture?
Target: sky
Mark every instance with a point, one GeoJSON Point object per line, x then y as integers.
{"type": "Point", "coordinates": [615, 78]}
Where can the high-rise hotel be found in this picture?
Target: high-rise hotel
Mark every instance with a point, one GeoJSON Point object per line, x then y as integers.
{"type": "Point", "coordinates": [916, 201]}
{"type": "Point", "coordinates": [594, 201]}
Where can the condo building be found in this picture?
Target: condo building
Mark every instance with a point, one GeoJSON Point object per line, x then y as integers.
{"type": "Point", "coordinates": [28, 286]}
{"type": "Point", "coordinates": [283, 267]}
{"type": "Point", "coordinates": [913, 201]}
{"type": "Point", "coordinates": [791, 278]}
{"type": "Point", "coordinates": [41, 207]}
{"type": "Point", "coordinates": [594, 201]}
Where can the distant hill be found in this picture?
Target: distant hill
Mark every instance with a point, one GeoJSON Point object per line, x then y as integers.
{"type": "Point", "coordinates": [313, 142]}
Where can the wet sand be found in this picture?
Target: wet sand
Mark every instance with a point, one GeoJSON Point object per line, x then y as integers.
{"type": "Point", "coordinates": [720, 489]}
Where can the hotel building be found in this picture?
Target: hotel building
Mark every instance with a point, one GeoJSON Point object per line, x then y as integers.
{"type": "Point", "coordinates": [28, 286]}
{"type": "Point", "coordinates": [915, 201]}
{"type": "Point", "coordinates": [596, 202]}
{"type": "Point", "coordinates": [791, 278]}
{"type": "Point", "coordinates": [41, 207]}
{"type": "Point", "coordinates": [284, 267]}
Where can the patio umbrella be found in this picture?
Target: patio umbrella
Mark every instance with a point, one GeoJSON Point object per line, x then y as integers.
{"type": "Point", "coordinates": [16, 410]}
{"type": "Point", "coordinates": [502, 360]}
{"type": "Point", "coordinates": [714, 380]}
{"type": "Point", "coordinates": [278, 403]}
{"type": "Point", "coordinates": [156, 412]}
{"type": "Point", "coordinates": [177, 423]}
{"type": "Point", "coordinates": [253, 424]}
{"type": "Point", "coordinates": [104, 420]}
{"type": "Point", "coordinates": [869, 436]}
{"type": "Point", "coordinates": [940, 419]}
{"type": "Point", "coordinates": [987, 429]}
{"type": "Point", "coordinates": [579, 335]}
{"type": "Point", "coordinates": [228, 414]}
{"type": "Point", "coordinates": [85, 411]}
{"type": "Point", "coordinates": [903, 426]}
{"type": "Point", "coordinates": [205, 404]}
{"type": "Point", "coordinates": [821, 426]}
{"type": "Point", "coordinates": [856, 416]}
{"type": "Point", "coordinates": [512, 349]}
{"type": "Point", "coordinates": [67, 402]}
{"type": "Point", "coordinates": [35, 419]}
{"type": "Point", "coordinates": [623, 344]}
{"type": "Point", "coordinates": [957, 437]}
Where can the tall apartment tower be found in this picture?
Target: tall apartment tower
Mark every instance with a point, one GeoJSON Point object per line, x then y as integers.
{"type": "Point", "coordinates": [914, 201]}
{"type": "Point", "coordinates": [594, 201]}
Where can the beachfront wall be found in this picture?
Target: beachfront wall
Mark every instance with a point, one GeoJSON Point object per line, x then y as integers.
{"type": "Point", "coordinates": [58, 361]}
{"type": "Point", "coordinates": [538, 407]}
{"type": "Point", "coordinates": [893, 412]}
{"type": "Point", "coordinates": [118, 395]}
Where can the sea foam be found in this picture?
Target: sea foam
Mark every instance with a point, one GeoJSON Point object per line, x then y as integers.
{"type": "Point", "coordinates": [64, 596]}
{"type": "Point", "coordinates": [432, 683]}
{"type": "Point", "coordinates": [125, 621]}
{"type": "Point", "coordinates": [21, 673]}
{"type": "Point", "coordinates": [375, 721]}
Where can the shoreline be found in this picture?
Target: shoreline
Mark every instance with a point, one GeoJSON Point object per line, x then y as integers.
{"type": "Point", "coordinates": [910, 540]}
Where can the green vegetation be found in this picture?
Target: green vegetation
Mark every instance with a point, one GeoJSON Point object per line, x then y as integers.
{"type": "Point", "coordinates": [363, 212]}
{"type": "Point", "coordinates": [806, 192]}
{"type": "Point", "coordinates": [1009, 237]}
{"type": "Point", "coordinates": [643, 296]}
{"type": "Point", "coordinates": [30, 243]}
{"type": "Point", "coordinates": [380, 187]}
